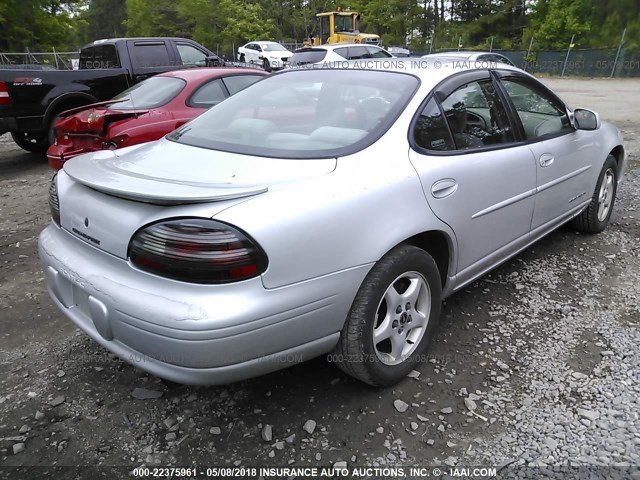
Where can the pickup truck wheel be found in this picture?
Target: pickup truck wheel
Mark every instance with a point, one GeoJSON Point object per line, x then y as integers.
{"type": "Point", "coordinates": [51, 132]}
{"type": "Point", "coordinates": [31, 143]}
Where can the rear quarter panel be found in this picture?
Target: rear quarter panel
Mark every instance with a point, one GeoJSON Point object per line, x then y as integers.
{"type": "Point", "coordinates": [372, 202]}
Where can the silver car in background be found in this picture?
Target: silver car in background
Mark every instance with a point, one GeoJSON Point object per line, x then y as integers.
{"type": "Point", "coordinates": [319, 211]}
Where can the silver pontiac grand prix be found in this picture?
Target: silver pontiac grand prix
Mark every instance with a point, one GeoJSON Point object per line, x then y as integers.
{"type": "Point", "coordinates": [320, 211]}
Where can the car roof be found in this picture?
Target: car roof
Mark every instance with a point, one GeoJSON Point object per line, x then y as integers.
{"type": "Point", "coordinates": [202, 73]}
{"type": "Point", "coordinates": [430, 71]}
{"type": "Point", "coordinates": [263, 41]}
{"type": "Point", "coordinates": [465, 54]}
{"type": "Point", "coordinates": [104, 41]}
{"type": "Point", "coordinates": [331, 46]}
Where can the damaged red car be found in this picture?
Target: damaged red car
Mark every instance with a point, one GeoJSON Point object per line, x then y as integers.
{"type": "Point", "coordinates": [145, 112]}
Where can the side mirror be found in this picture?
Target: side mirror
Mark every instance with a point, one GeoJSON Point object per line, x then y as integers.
{"type": "Point", "coordinates": [584, 119]}
{"type": "Point", "coordinates": [214, 61]}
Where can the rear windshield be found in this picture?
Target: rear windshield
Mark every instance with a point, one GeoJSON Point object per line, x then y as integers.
{"type": "Point", "coordinates": [99, 56]}
{"type": "Point", "coordinates": [303, 114]}
{"type": "Point", "coordinates": [303, 57]}
{"type": "Point", "coordinates": [151, 93]}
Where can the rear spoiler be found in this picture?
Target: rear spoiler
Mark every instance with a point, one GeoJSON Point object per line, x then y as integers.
{"type": "Point", "coordinates": [73, 111]}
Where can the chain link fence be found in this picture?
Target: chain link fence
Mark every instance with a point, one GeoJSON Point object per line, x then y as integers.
{"type": "Point", "coordinates": [603, 62]}
{"type": "Point", "coordinates": [40, 61]}
{"type": "Point", "coordinates": [600, 62]}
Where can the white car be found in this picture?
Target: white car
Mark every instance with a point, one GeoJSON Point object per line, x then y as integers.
{"type": "Point", "coordinates": [337, 52]}
{"type": "Point", "coordinates": [271, 55]}
{"type": "Point", "coordinates": [481, 59]}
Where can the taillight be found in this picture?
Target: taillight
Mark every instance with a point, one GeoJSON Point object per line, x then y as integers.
{"type": "Point", "coordinates": [198, 251]}
{"type": "Point", "coordinates": [54, 203]}
{"type": "Point", "coordinates": [5, 98]}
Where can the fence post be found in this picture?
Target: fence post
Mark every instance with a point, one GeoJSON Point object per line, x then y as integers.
{"type": "Point", "coordinates": [526, 60]}
{"type": "Point", "coordinates": [564, 67]}
{"type": "Point", "coordinates": [55, 57]}
{"type": "Point", "coordinates": [491, 46]}
{"type": "Point", "coordinates": [459, 43]}
{"type": "Point", "coordinates": [615, 62]}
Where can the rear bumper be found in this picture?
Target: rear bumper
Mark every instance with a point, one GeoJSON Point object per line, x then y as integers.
{"type": "Point", "coordinates": [194, 334]}
{"type": "Point", "coordinates": [57, 155]}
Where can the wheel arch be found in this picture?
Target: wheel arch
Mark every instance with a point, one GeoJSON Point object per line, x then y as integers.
{"type": "Point", "coordinates": [618, 154]}
{"type": "Point", "coordinates": [439, 245]}
{"type": "Point", "coordinates": [67, 101]}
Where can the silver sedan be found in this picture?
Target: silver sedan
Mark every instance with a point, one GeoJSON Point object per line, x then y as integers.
{"type": "Point", "coordinates": [320, 212]}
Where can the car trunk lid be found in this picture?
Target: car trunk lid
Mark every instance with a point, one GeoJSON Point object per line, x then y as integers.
{"type": "Point", "coordinates": [168, 173]}
{"type": "Point", "coordinates": [106, 196]}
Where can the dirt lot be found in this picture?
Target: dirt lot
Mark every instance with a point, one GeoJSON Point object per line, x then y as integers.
{"type": "Point", "coordinates": [549, 335]}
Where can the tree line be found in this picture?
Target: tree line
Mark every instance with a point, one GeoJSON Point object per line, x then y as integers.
{"type": "Point", "coordinates": [422, 25]}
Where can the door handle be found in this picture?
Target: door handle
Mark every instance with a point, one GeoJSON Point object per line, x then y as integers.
{"type": "Point", "coordinates": [444, 188]}
{"type": "Point", "coordinates": [546, 160]}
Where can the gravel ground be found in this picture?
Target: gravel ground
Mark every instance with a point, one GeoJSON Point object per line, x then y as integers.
{"type": "Point", "coordinates": [536, 364]}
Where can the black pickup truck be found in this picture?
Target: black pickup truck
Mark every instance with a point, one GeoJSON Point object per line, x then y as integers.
{"type": "Point", "coordinates": [31, 99]}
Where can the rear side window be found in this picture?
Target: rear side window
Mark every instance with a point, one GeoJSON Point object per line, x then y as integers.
{"type": "Point", "coordinates": [151, 55]}
{"type": "Point", "coordinates": [358, 53]}
{"type": "Point", "coordinates": [304, 57]}
{"type": "Point", "coordinates": [342, 51]}
{"type": "Point", "coordinates": [208, 95]}
{"type": "Point", "coordinates": [239, 82]}
{"type": "Point", "coordinates": [431, 131]}
{"type": "Point", "coordinates": [99, 56]}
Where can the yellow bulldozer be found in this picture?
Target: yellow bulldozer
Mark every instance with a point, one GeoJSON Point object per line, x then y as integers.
{"type": "Point", "coordinates": [340, 26]}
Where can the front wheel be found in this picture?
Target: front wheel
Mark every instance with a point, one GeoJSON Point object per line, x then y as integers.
{"type": "Point", "coordinates": [33, 143]}
{"type": "Point", "coordinates": [595, 218]}
{"type": "Point", "coordinates": [392, 318]}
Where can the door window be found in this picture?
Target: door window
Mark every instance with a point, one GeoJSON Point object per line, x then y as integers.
{"type": "Point", "coordinates": [191, 55]}
{"type": "Point", "coordinates": [151, 55]}
{"type": "Point", "coordinates": [239, 82]}
{"type": "Point", "coordinates": [477, 117]}
{"type": "Point", "coordinates": [375, 52]}
{"type": "Point", "coordinates": [541, 114]}
{"type": "Point", "coordinates": [431, 131]}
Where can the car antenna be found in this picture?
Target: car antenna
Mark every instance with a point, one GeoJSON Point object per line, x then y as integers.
{"type": "Point", "coordinates": [135, 114]}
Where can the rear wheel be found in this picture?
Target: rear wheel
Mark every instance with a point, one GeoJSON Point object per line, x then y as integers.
{"type": "Point", "coordinates": [51, 133]}
{"type": "Point", "coordinates": [34, 143]}
{"type": "Point", "coordinates": [392, 318]}
{"type": "Point", "coordinates": [242, 58]}
{"type": "Point", "coordinates": [595, 218]}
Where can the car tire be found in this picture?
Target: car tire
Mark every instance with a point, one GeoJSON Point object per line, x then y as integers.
{"type": "Point", "coordinates": [51, 131]}
{"type": "Point", "coordinates": [30, 143]}
{"type": "Point", "coordinates": [595, 218]}
{"type": "Point", "coordinates": [379, 344]}
{"type": "Point", "coordinates": [242, 58]}
{"type": "Point", "coordinates": [266, 65]}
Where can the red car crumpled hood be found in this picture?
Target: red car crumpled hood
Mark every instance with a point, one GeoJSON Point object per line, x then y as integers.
{"type": "Point", "coordinates": [94, 120]}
